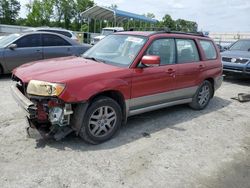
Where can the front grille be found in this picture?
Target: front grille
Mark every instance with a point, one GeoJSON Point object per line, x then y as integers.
{"type": "Point", "coordinates": [248, 69]}
{"type": "Point", "coordinates": [235, 60]}
{"type": "Point", "coordinates": [233, 68]}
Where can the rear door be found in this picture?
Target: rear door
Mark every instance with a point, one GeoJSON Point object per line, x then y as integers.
{"type": "Point", "coordinates": [55, 46]}
{"type": "Point", "coordinates": [190, 67]}
{"type": "Point", "coordinates": [153, 84]}
{"type": "Point", "coordinates": [28, 49]}
{"type": "Point", "coordinates": [211, 60]}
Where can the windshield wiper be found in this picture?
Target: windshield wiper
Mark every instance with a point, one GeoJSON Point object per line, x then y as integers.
{"type": "Point", "coordinates": [94, 59]}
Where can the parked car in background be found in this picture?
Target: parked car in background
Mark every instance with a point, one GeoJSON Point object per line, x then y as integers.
{"type": "Point", "coordinates": [236, 59]}
{"type": "Point", "coordinates": [17, 49]}
{"type": "Point", "coordinates": [220, 47]}
{"type": "Point", "coordinates": [125, 74]}
{"type": "Point", "coordinates": [65, 32]}
{"type": "Point", "coordinates": [105, 32]}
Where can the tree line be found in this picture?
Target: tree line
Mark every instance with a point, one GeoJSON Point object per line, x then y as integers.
{"type": "Point", "coordinates": [67, 14]}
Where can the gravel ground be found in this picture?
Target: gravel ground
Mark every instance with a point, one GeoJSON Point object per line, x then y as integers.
{"type": "Point", "coordinates": [173, 147]}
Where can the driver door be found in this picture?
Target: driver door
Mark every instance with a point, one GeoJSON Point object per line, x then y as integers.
{"type": "Point", "coordinates": [28, 49]}
{"type": "Point", "coordinates": [155, 84]}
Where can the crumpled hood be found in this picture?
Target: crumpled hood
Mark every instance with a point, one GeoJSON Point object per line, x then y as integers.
{"type": "Point", "coordinates": [236, 54]}
{"type": "Point", "coordinates": [61, 70]}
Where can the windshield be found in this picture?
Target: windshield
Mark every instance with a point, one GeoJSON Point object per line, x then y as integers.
{"type": "Point", "coordinates": [242, 45]}
{"type": "Point", "coordinates": [107, 32]}
{"type": "Point", "coordinates": [8, 39]}
{"type": "Point", "coordinates": [119, 50]}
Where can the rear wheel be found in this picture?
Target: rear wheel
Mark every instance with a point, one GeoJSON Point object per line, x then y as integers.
{"type": "Point", "coordinates": [102, 120]}
{"type": "Point", "coordinates": [202, 96]}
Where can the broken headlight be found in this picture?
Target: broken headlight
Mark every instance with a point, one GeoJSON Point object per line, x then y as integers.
{"type": "Point", "coordinates": [41, 88]}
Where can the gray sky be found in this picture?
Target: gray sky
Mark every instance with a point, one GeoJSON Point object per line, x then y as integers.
{"type": "Point", "coordinates": [211, 15]}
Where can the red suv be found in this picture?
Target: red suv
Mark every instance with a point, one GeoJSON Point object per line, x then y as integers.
{"type": "Point", "coordinates": [125, 74]}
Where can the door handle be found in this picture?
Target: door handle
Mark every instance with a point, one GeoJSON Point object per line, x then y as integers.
{"type": "Point", "coordinates": [171, 72]}
{"type": "Point", "coordinates": [201, 67]}
{"type": "Point", "coordinates": [38, 50]}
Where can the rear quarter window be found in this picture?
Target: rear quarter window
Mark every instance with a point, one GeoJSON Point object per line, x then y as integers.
{"type": "Point", "coordinates": [54, 40]}
{"type": "Point", "coordinates": [209, 49]}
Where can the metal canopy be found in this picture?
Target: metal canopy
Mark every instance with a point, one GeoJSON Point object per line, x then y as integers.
{"type": "Point", "coordinates": [114, 15]}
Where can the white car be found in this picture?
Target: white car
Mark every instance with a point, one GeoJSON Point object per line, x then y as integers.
{"type": "Point", "coordinates": [106, 31]}
{"type": "Point", "coordinates": [61, 31]}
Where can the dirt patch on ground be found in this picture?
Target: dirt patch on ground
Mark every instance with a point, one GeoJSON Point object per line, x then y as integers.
{"type": "Point", "coordinates": [172, 147]}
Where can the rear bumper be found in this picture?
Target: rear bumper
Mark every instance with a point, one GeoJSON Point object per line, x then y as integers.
{"type": "Point", "coordinates": [27, 106]}
{"type": "Point", "coordinates": [218, 82]}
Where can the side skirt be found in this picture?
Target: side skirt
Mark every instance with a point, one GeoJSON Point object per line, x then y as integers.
{"type": "Point", "coordinates": [158, 106]}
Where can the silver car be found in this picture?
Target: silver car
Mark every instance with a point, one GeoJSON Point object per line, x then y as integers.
{"type": "Point", "coordinates": [65, 32]}
{"type": "Point", "coordinates": [17, 49]}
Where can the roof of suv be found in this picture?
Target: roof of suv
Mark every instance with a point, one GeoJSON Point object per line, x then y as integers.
{"type": "Point", "coordinates": [150, 33]}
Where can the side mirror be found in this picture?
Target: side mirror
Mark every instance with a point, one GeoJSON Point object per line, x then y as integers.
{"type": "Point", "coordinates": [12, 46]}
{"type": "Point", "coordinates": [151, 60]}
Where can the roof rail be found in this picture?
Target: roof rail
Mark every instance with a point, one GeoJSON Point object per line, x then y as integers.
{"type": "Point", "coordinates": [167, 30]}
{"type": "Point", "coordinates": [157, 30]}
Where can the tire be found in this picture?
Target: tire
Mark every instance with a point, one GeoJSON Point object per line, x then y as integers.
{"type": "Point", "coordinates": [1, 70]}
{"type": "Point", "coordinates": [202, 96]}
{"type": "Point", "coordinates": [102, 120]}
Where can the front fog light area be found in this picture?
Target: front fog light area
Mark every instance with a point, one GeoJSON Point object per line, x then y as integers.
{"type": "Point", "coordinates": [60, 116]}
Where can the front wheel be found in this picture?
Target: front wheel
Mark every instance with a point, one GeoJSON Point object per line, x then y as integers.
{"type": "Point", "coordinates": [102, 120]}
{"type": "Point", "coordinates": [202, 96]}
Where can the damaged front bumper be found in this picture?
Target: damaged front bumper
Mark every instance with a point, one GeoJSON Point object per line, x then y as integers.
{"type": "Point", "coordinates": [27, 106]}
{"type": "Point", "coordinates": [51, 121]}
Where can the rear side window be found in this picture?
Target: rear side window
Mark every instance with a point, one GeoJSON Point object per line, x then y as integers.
{"type": "Point", "coordinates": [208, 49]}
{"type": "Point", "coordinates": [187, 51]}
{"type": "Point", "coordinates": [53, 40]}
{"type": "Point", "coordinates": [29, 41]}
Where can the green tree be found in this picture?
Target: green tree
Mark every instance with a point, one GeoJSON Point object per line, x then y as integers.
{"type": "Point", "coordinates": [168, 22]}
{"type": "Point", "coordinates": [40, 13]}
{"type": "Point", "coordinates": [149, 15]}
{"type": "Point", "coordinates": [9, 11]}
{"type": "Point", "coordinates": [64, 12]}
{"type": "Point", "coordinates": [186, 26]}
{"type": "Point", "coordinates": [79, 7]}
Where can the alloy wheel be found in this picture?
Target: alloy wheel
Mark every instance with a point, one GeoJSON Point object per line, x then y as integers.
{"type": "Point", "coordinates": [204, 95]}
{"type": "Point", "coordinates": [102, 121]}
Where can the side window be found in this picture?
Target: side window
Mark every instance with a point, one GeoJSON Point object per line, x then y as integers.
{"type": "Point", "coordinates": [65, 33]}
{"type": "Point", "coordinates": [208, 49]}
{"type": "Point", "coordinates": [165, 48]}
{"type": "Point", "coordinates": [53, 40]}
{"type": "Point", "coordinates": [29, 41]}
{"type": "Point", "coordinates": [187, 51]}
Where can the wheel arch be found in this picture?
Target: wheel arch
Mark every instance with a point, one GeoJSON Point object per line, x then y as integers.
{"type": "Point", "coordinates": [115, 95]}
{"type": "Point", "coordinates": [1, 69]}
{"type": "Point", "coordinates": [211, 80]}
